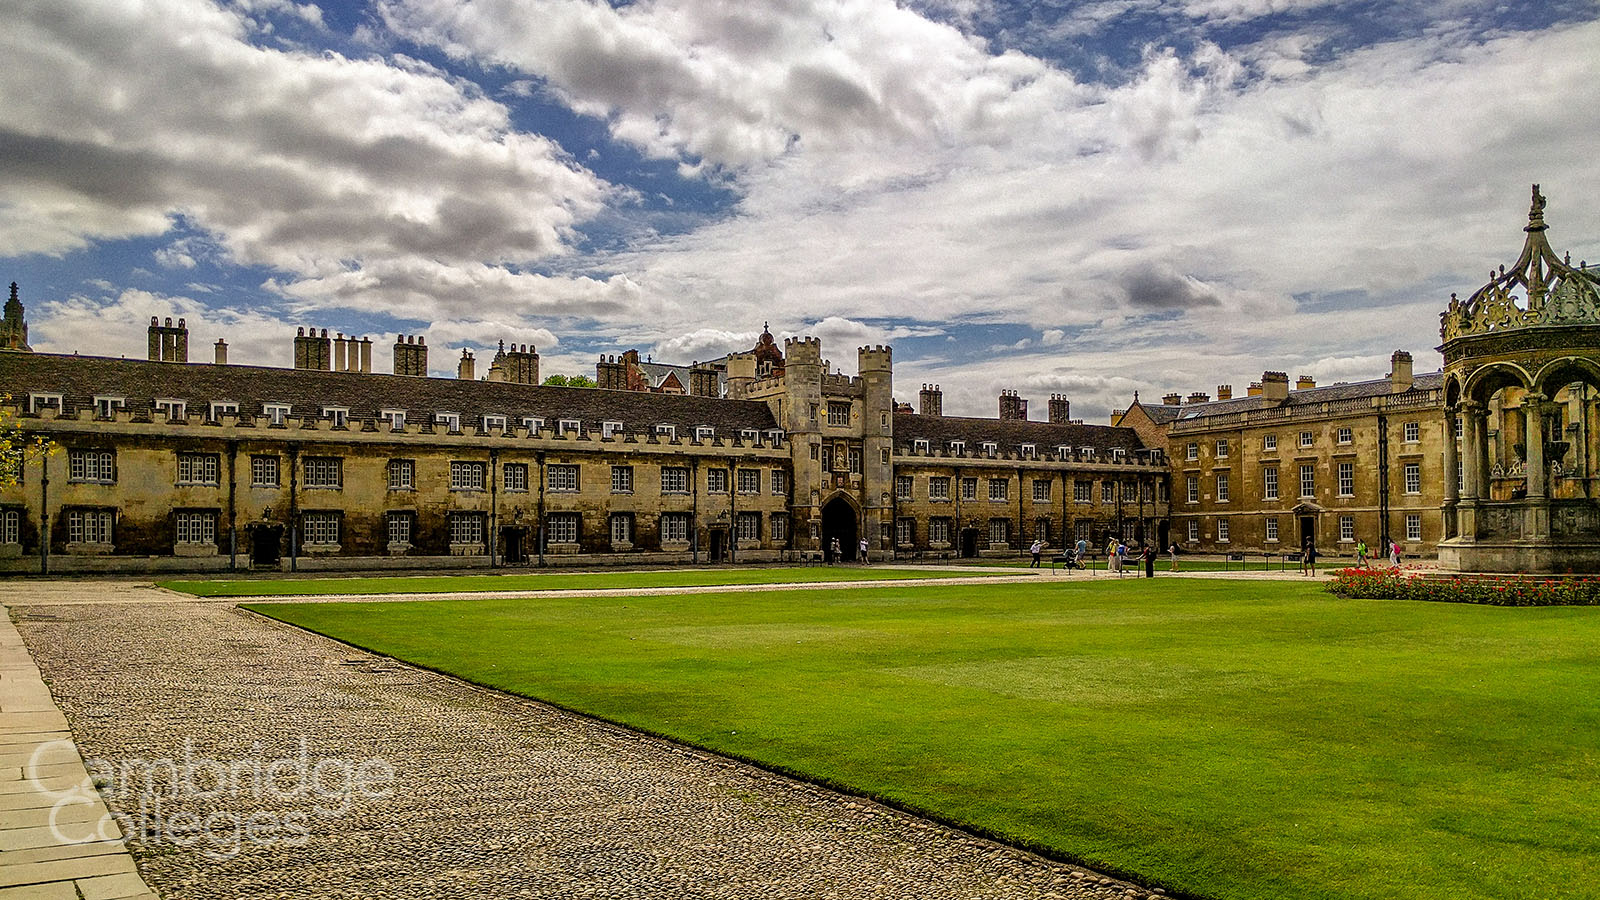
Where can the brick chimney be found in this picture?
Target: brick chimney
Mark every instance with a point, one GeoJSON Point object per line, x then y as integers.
{"type": "Point", "coordinates": [1254, 390]}
{"type": "Point", "coordinates": [168, 342]}
{"type": "Point", "coordinates": [222, 352]}
{"type": "Point", "coordinates": [1400, 377]}
{"type": "Point", "coordinates": [703, 381]}
{"type": "Point", "coordinates": [1199, 397]}
{"type": "Point", "coordinates": [1304, 383]}
{"type": "Point", "coordinates": [930, 400]}
{"type": "Point", "coordinates": [1060, 409]}
{"type": "Point", "coordinates": [312, 351]}
{"type": "Point", "coordinates": [410, 355]}
{"type": "Point", "coordinates": [1012, 407]}
{"type": "Point", "coordinates": [1172, 399]}
{"type": "Point", "coordinates": [466, 368]}
{"type": "Point", "coordinates": [1224, 392]}
{"type": "Point", "coordinates": [1275, 385]}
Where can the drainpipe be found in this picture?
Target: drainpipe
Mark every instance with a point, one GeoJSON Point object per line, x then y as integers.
{"type": "Point", "coordinates": [1022, 531]}
{"type": "Point", "coordinates": [539, 538]}
{"type": "Point", "coordinates": [1383, 478]}
{"type": "Point", "coordinates": [733, 513]}
{"type": "Point", "coordinates": [233, 537]}
{"type": "Point", "coordinates": [494, 503]}
{"type": "Point", "coordinates": [694, 510]}
{"type": "Point", "coordinates": [44, 514]}
{"type": "Point", "coordinates": [294, 507]}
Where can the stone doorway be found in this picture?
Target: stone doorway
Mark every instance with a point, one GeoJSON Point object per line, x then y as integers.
{"type": "Point", "coordinates": [266, 545]}
{"type": "Point", "coordinates": [839, 523]}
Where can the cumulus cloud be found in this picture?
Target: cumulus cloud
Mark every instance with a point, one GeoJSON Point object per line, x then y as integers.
{"type": "Point", "coordinates": [116, 327]}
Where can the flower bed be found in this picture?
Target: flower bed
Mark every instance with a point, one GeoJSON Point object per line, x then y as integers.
{"type": "Point", "coordinates": [1390, 584]}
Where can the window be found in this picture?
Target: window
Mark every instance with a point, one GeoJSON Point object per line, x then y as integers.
{"type": "Point", "coordinates": [999, 530]}
{"type": "Point", "coordinates": [988, 448]}
{"type": "Point", "coordinates": [1269, 443]}
{"type": "Point", "coordinates": [450, 421]}
{"type": "Point", "coordinates": [675, 528]}
{"type": "Point", "coordinates": [533, 424]}
{"type": "Point", "coordinates": [674, 480]}
{"type": "Point", "coordinates": [1147, 492]}
{"type": "Point", "coordinates": [1412, 432]}
{"type": "Point", "coordinates": [492, 424]}
{"type": "Point", "coordinates": [394, 418]}
{"type": "Point", "coordinates": [939, 530]}
{"type": "Point", "coordinates": [320, 529]}
{"type": "Point", "coordinates": [1080, 530]}
{"type": "Point", "coordinates": [1305, 439]}
{"type": "Point", "coordinates": [1118, 453]}
{"type": "Point", "coordinates": [467, 476]}
{"type": "Point", "coordinates": [1191, 451]}
{"type": "Point", "coordinates": [1458, 421]}
{"type": "Point", "coordinates": [749, 481]}
{"type": "Point", "coordinates": [1222, 531]}
{"type": "Point", "coordinates": [10, 526]}
{"type": "Point", "coordinates": [198, 468]}
{"type": "Point", "coordinates": [1222, 488]}
{"type": "Point", "coordinates": [1108, 492]}
{"type": "Point", "coordinates": [1222, 449]}
{"type": "Point", "coordinates": [563, 528]}
{"type": "Point", "coordinates": [780, 482]}
{"type": "Point", "coordinates": [827, 458]}
{"type": "Point", "coordinates": [220, 408]}
{"type": "Point", "coordinates": [466, 528]}
{"type": "Point", "coordinates": [919, 445]}
{"type": "Point", "coordinates": [838, 413]}
{"type": "Point", "coordinates": [277, 414]}
{"type": "Point", "coordinates": [704, 433]}
{"type": "Point", "coordinates": [1041, 490]}
{"type": "Point", "coordinates": [1063, 451]}
{"type": "Point", "coordinates": [1030, 451]}
{"type": "Point", "coordinates": [969, 488]}
{"type": "Point", "coordinates": [855, 460]}
{"type": "Point", "coordinates": [1269, 483]}
{"type": "Point", "coordinates": [197, 527]}
{"type": "Point", "coordinates": [1344, 436]}
{"type": "Point", "coordinates": [1272, 529]}
{"type": "Point", "coordinates": [1412, 472]}
{"type": "Point", "coordinates": [1083, 491]}
{"type": "Point", "coordinates": [999, 489]}
{"type": "Point", "coordinates": [338, 415]}
{"type": "Point", "coordinates": [622, 479]}
{"type": "Point", "coordinates": [514, 478]}
{"type": "Point", "coordinates": [1347, 528]}
{"type": "Point", "coordinates": [563, 479]}
{"type": "Point", "coordinates": [176, 410]}
{"type": "Point", "coordinates": [717, 481]}
{"type": "Point", "coordinates": [324, 472]}
{"type": "Point", "coordinates": [1161, 491]}
{"type": "Point", "coordinates": [1347, 479]}
{"type": "Point", "coordinates": [402, 474]}
{"type": "Point", "coordinates": [1308, 480]}
{"type": "Point", "coordinates": [1413, 527]}
{"type": "Point", "coordinates": [747, 526]}
{"type": "Point", "coordinates": [780, 528]}
{"type": "Point", "coordinates": [38, 401]}
{"type": "Point", "coordinates": [264, 471]}
{"type": "Point", "coordinates": [1192, 483]}
{"type": "Point", "coordinates": [939, 488]}
{"type": "Point", "coordinates": [902, 487]}
{"type": "Point", "coordinates": [399, 527]}
{"type": "Point", "coordinates": [905, 531]}
{"type": "Point", "coordinates": [107, 407]}
{"type": "Point", "coordinates": [98, 466]}
{"type": "Point", "coordinates": [568, 426]}
{"type": "Point", "coordinates": [1129, 492]}
{"type": "Point", "coordinates": [958, 447]}
{"type": "Point", "coordinates": [1088, 453]}
{"type": "Point", "coordinates": [670, 432]}
{"type": "Point", "coordinates": [621, 526]}
{"type": "Point", "coordinates": [610, 429]}
{"type": "Point", "coordinates": [1194, 530]}
{"type": "Point", "coordinates": [89, 526]}
{"type": "Point", "coordinates": [775, 437]}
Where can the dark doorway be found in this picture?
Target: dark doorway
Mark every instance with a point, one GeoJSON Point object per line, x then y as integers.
{"type": "Point", "coordinates": [266, 545]}
{"type": "Point", "coordinates": [719, 545]}
{"type": "Point", "coordinates": [512, 548]}
{"type": "Point", "coordinates": [839, 523]}
{"type": "Point", "coordinates": [1164, 539]}
{"type": "Point", "coordinates": [1308, 530]}
{"type": "Point", "coordinates": [969, 543]}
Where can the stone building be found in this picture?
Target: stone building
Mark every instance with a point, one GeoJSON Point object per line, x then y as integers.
{"type": "Point", "coordinates": [169, 464]}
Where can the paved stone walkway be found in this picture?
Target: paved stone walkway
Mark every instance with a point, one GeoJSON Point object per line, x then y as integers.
{"type": "Point", "coordinates": [491, 796]}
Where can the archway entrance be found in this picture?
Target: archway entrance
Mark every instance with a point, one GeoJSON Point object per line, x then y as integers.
{"type": "Point", "coordinates": [839, 522]}
{"type": "Point", "coordinates": [265, 541]}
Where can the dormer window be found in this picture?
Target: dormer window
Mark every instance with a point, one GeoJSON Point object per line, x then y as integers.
{"type": "Point", "coordinates": [175, 409]}
{"type": "Point", "coordinates": [610, 429]}
{"type": "Point", "coordinates": [38, 401]}
{"type": "Point", "coordinates": [920, 445]}
{"type": "Point", "coordinates": [395, 418]}
{"type": "Point", "coordinates": [1118, 453]}
{"type": "Point", "coordinates": [106, 407]}
{"type": "Point", "coordinates": [957, 448]}
{"type": "Point", "coordinates": [451, 421]}
{"type": "Point", "coordinates": [533, 424]}
{"type": "Point", "coordinates": [276, 413]}
{"type": "Point", "coordinates": [568, 426]}
{"type": "Point", "coordinates": [670, 432]}
{"type": "Point", "coordinates": [338, 415]}
{"type": "Point", "coordinates": [1029, 451]}
{"type": "Point", "coordinates": [1088, 452]}
{"type": "Point", "coordinates": [775, 437]}
{"type": "Point", "coordinates": [749, 435]}
{"type": "Point", "coordinates": [704, 433]}
{"type": "Point", "coordinates": [988, 447]}
{"type": "Point", "coordinates": [1063, 451]}
{"type": "Point", "coordinates": [219, 408]}
{"type": "Point", "coordinates": [493, 424]}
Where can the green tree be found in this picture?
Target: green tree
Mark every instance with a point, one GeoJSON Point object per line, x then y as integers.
{"type": "Point", "coordinates": [17, 447]}
{"type": "Point", "coordinates": [578, 381]}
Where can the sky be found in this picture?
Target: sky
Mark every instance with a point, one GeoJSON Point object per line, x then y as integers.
{"type": "Point", "coordinates": [1089, 198]}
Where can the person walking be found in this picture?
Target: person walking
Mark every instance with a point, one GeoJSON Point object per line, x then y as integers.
{"type": "Point", "coordinates": [1173, 550]}
{"type": "Point", "coordinates": [1122, 555]}
{"type": "Point", "coordinates": [1394, 553]}
{"type": "Point", "coordinates": [863, 549]}
{"type": "Point", "coordinates": [1305, 555]}
{"type": "Point", "coordinates": [1111, 555]}
{"type": "Point", "coordinates": [1083, 552]}
{"type": "Point", "coordinates": [833, 552]}
{"type": "Point", "coordinates": [1361, 554]}
{"type": "Point", "coordinates": [1036, 549]}
{"type": "Point", "coordinates": [1308, 558]}
{"type": "Point", "coordinates": [1149, 561]}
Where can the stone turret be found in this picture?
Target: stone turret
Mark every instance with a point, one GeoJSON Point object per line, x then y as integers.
{"type": "Point", "coordinates": [410, 355]}
{"type": "Point", "coordinates": [930, 400]}
{"type": "Point", "coordinates": [169, 342]}
{"type": "Point", "coordinates": [741, 371]}
{"type": "Point", "coordinates": [14, 327]}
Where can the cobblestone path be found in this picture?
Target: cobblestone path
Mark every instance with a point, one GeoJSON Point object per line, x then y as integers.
{"type": "Point", "coordinates": [492, 796]}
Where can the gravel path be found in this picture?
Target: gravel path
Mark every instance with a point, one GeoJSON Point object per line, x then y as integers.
{"type": "Point", "coordinates": [491, 796]}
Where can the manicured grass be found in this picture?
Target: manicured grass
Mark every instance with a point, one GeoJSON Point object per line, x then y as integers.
{"type": "Point", "coordinates": [564, 581]}
{"type": "Point", "coordinates": [1225, 738]}
{"type": "Point", "coordinates": [1163, 564]}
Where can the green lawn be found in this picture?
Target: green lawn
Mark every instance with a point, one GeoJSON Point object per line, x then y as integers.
{"type": "Point", "coordinates": [1229, 739]}
{"type": "Point", "coordinates": [563, 581]}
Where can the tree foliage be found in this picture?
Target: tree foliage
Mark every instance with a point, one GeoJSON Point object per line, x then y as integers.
{"type": "Point", "coordinates": [578, 381]}
{"type": "Point", "coordinates": [16, 446]}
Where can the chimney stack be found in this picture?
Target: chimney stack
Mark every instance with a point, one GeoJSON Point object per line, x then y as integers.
{"type": "Point", "coordinates": [1400, 377]}
{"type": "Point", "coordinates": [1172, 399]}
{"type": "Point", "coordinates": [366, 354]}
{"type": "Point", "coordinates": [341, 361]}
{"type": "Point", "coordinates": [168, 342]}
{"type": "Point", "coordinates": [1012, 407]}
{"type": "Point", "coordinates": [930, 401]}
{"type": "Point", "coordinates": [1254, 390]}
{"type": "Point", "coordinates": [703, 381]}
{"type": "Point", "coordinates": [1199, 397]}
{"type": "Point", "coordinates": [411, 355]}
{"type": "Point", "coordinates": [466, 368]}
{"type": "Point", "coordinates": [222, 352]}
{"type": "Point", "coordinates": [1060, 409]}
{"type": "Point", "coordinates": [1275, 386]}
{"type": "Point", "coordinates": [312, 350]}
{"type": "Point", "coordinates": [1224, 392]}
{"type": "Point", "coordinates": [1304, 383]}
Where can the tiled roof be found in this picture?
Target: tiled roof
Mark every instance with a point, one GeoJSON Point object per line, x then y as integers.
{"type": "Point", "coordinates": [1379, 387]}
{"type": "Point", "coordinates": [79, 379]}
{"type": "Point", "coordinates": [939, 431]}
